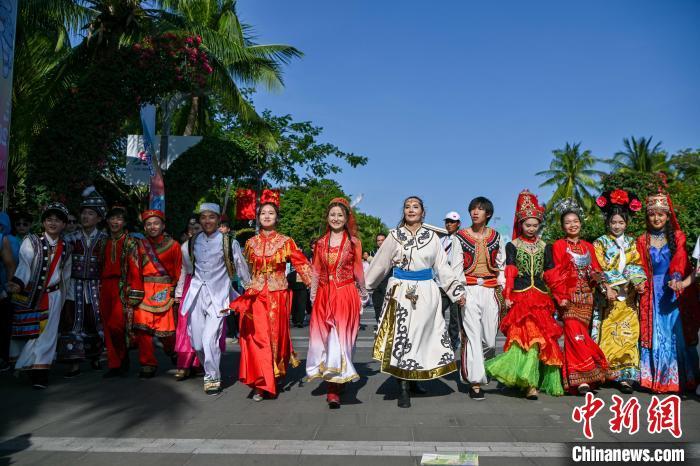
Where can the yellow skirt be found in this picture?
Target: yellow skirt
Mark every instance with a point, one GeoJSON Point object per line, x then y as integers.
{"type": "Point", "coordinates": [619, 340]}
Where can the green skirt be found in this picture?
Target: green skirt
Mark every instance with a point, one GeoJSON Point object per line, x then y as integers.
{"type": "Point", "coordinates": [517, 368]}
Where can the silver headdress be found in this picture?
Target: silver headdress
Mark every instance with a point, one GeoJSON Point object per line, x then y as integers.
{"type": "Point", "coordinates": [568, 205]}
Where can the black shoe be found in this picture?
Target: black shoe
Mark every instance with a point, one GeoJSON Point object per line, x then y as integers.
{"type": "Point", "coordinates": [416, 388]}
{"type": "Point", "coordinates": [96, 365]}
{"type": "Point", "coordinates": [477, 395]}
{"type": "Point", "coordinates": [626, 388]}
{"type": "Point", "coordinates": [124, 368]}
{"type": "Point", "coordinates": [5, 366]}
{"type": "Point", "coordinates": [71, 374]}
{"type": "Point", "coordinates": [404, 400]}
{"type": "Point", "coordinates": [584, 388]}
{"type": "Point", "coordinates": [112, 373]}
{"type": "Point", "coordinates": [147, 374]}
{"type": "Point", "coordinates": [39, 378]}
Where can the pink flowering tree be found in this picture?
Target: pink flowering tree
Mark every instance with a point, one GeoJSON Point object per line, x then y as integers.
{"type": "Point", "coordinates": [83, 130]}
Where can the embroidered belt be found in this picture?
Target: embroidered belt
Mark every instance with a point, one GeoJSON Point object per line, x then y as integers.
{"type": "Point", "coordinates": [488, 282]}
{"type": "Point", "coordinates": [52, 288]}
{"type": "Point", "coordinates": [166, 280]}
{"type": "Point", "coordinates": [413, 275]}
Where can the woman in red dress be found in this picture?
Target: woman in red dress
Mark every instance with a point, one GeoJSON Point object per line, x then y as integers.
{"type": "Point", "coordinates": [575, 271]}
{"type": "Point", "coordinates": [264, 309]}
{"type": "Point", "coordinates": [336, 291]}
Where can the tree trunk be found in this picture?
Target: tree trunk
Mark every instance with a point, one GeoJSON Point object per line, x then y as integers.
{"type": "Point", "coordinates": [192, 116]}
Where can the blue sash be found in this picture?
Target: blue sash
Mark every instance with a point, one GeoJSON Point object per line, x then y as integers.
{"type": "Point", "coordinates": [414, 275]}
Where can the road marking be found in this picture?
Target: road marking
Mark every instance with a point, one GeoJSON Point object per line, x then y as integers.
{"type": "Point", "coordinates": [291, 447]}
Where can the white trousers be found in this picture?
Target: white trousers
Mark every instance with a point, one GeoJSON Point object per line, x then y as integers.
{"type": "Point", "coordinates": [479, 327]}
{"type": "Point", "coordinates": [204, 326]}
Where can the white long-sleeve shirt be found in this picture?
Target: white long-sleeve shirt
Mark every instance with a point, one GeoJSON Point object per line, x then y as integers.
{"type": "Point", "coordinates": [209, 273]}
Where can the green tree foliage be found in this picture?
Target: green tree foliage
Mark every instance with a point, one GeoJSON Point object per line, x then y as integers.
{"type": "Point", "coordinates": [640, 183]}
{"type": "Point", "coordinates": [198, 176]}
{"type": "Point", "coordinates": [65, 89]}
{"type": "Point", "coordinates": [73, 149]}
{"type": "Point", "coordinates": [236, 58]}
{"type": "Point", "coordinates": [685, 165]}
{"type": "Point", "coordinates": [639, 156]}
{"type": "Point", "coordinates": [303, 213]}
{"type": "Point", "coordinates": [571, 172]}
{"type": "Point", "coordinates": [294, 155]}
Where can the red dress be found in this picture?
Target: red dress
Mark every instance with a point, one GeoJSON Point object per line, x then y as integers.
{"type": "Point", "coordinates": [121, 289]}
{"type": "Point", "coordinates": [161, 264]}
{"type": "Point", "coordinates": [335, 318]}
{"type": "Point", "coordinates": [575, 267]}
{"type": "Point", "coordinates": [264, 310]}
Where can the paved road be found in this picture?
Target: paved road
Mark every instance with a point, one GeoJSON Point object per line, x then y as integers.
{"type": "Point", "coordinates": [91, 421]}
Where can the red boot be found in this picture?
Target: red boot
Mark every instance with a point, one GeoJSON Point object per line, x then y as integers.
{"type": "Point", "coordinates": [333, 396]}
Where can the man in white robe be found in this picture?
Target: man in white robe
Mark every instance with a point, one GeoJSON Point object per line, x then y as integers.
{"type": "Point", "coordinates": [212, 259]}
{"type": "Point", "coordinates": [39, 289]}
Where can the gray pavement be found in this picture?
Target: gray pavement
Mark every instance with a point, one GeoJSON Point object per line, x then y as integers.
{"type": "Point", "coordinates": [89, 420]}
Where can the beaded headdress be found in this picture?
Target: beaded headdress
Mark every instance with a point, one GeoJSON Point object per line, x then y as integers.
{"type": "Point", "coordinates": [568, 205]}
{"type": "Point", "coordinates": [527, 206]}
{"type": "Point", "coordinates": [93, 200]}
{"type": "Point", "coordinates": [56, 208]}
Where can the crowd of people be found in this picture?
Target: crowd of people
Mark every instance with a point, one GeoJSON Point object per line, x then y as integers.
{"type": "Point", "coordinates": [627, 309]}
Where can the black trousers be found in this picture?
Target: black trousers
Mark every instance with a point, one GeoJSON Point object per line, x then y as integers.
{"type": "Point", "coordinates": [455, 322]}
{"type": "Point", "coordinates": [300, 299]}
{"type": "Point", "coordinates": [5, 328]}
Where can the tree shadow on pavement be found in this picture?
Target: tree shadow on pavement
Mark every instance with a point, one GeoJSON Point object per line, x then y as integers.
{"type": "Point", "coordinates": [89, 406]}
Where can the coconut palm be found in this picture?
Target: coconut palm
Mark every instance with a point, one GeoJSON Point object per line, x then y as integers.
{"type": "Point", "coordinates": [235, 58]}
{"type": "Point", "coordinates": [640, 156]}
{"type": "Point", "coordinates": [572, 173]}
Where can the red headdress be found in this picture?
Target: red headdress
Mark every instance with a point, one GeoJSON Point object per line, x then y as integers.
{"type": "Point", "coordinates": [662, 202]}
{"type": "Point", "coordinates": [146, 214]}
{"type": "Point", "coordinates": [351, 223]}
{"type": "Point", "coordinates": [526, 207]}
{"type": "Point", "coordinates": [270, 196]}
{"type": "Point", "coordinates": [618, 199]}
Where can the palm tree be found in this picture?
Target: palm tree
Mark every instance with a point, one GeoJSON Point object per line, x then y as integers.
{"type": "Point", "coordinates": [572, 173]}
{"type": "Point", "coordinates": [235, 58]}
{"type": "Point", "coordinates": [640, 156]}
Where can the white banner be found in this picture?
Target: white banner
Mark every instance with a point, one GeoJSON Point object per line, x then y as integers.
{"type": "Point", "coordinates": [137, 171]}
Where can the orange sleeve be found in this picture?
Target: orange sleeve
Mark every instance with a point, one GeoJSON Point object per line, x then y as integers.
{"type": "Point", "coordinates": [134, 272]}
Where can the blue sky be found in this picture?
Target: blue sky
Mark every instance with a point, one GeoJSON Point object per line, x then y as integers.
{"type": "Point", "coordinates": [454, 99]}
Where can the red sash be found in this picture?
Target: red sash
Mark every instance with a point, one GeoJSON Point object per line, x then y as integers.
{"type": "Point", "coordinates": [44, 300]}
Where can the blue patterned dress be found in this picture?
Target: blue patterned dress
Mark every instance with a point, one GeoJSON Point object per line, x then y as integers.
{"type": "Point", "coordinates": [664, 366]}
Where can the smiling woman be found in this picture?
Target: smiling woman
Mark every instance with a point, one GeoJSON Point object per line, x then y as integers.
{"type": "Point", "coordinates": [412, 342]}
{"type": "Point", "coordinates": [576, 271]}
